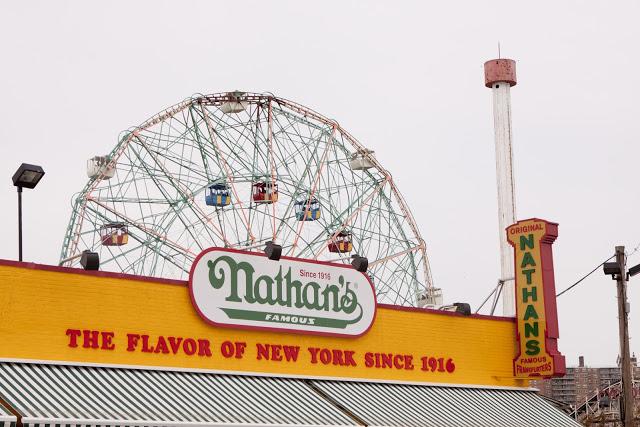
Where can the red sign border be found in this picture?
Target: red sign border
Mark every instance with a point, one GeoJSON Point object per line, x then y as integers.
{"type": "Point", "coordinates": [269, 328]}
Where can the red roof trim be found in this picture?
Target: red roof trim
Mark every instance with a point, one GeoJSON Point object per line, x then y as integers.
{"type": "Point", "coordinates": [45, 267]}
{"type": "Point", "coordinates": [185, 283]}
{"type": "Point", "coordinates": [445, 313]}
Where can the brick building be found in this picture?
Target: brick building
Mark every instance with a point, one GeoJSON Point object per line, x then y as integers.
{"type": "Point", "coordinates": [582, 381]}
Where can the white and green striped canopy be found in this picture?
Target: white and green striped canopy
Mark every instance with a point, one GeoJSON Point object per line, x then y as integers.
{"type": "Point", "coordinates": [60, 396]}
{"type": "Point", "coordinates": [444, 406]}
{"type": "Point", "coordinates": [71, 395]}
{"type": "Point", "coordinates": [7, 419]}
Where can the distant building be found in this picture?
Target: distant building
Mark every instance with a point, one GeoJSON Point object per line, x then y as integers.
{"type": "Point", "coordinates": [581, 382]}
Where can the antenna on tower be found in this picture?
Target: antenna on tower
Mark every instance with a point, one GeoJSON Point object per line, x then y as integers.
{"type": "Point", "coordinates": [499, 57]}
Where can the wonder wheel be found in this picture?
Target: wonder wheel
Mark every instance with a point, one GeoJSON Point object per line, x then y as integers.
{"type": "Point", "coordinates": [238, 170]}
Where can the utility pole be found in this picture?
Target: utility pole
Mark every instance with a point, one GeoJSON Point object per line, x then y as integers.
{"type": "Point", "coordinates": [626, 409]}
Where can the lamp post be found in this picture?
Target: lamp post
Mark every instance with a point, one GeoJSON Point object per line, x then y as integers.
{"type": "Point", "coordinates": [27, 176]}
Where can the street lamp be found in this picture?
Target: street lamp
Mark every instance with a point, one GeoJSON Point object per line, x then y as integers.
{"type": "Point", "coordinates": [27, 176]}
{"type": "Point", "coordinates": [634, 270]}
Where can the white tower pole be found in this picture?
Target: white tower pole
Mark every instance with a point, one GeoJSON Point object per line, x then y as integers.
{"type": "Point", "coordinates": [500, 75]}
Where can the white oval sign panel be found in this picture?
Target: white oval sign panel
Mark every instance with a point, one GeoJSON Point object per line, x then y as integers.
{"type": "Point", "coordinates": [246, 289]}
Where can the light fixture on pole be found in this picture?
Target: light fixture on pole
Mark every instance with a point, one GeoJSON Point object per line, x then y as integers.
{"type": "Point", "coordinates": [634, 270]}
{"type": "Point", "coordinates": [27, 176]}
{"type": "Point", "coordinates": [611, 269]}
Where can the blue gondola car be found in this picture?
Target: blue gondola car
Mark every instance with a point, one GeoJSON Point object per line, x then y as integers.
{"type": "Point", "coordinates": [310, 213]}
{"type": "Point", "coordinates": [217, 195]}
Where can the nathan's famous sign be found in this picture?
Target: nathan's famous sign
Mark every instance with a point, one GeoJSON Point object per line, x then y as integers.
{"type": "Point", "coordinates": [244, 289]}
{"type": "Point", "coordinates": [536, 311]}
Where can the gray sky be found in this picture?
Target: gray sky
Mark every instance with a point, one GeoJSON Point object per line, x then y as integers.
{"type": "Point", "coordinates": [405, 78]}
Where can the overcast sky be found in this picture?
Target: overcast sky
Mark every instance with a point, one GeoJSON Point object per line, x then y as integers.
{"type": "Point", "coordinates": [405, 78]}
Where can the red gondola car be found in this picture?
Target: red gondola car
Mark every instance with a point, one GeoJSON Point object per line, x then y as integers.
{"type": "Point", "coordinates": [114, 234]}
{"type": "Point", "coordinates": [265, 192]}
{"type": "Point", "coordinates": [341, 243]}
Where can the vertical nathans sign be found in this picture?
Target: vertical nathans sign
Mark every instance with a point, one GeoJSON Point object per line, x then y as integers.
{"type": "Point", "coordinates": [536, 311]}
{"type": "Point", "coordinates": [245, 289]}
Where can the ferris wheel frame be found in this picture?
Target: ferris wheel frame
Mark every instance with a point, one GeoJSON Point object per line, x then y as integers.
{"type": "Point", "coordinates": [72, 247]}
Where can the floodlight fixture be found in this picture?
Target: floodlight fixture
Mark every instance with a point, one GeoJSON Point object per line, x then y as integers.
{"type": "Point", "coordinates": [611, 268]}
{"type": "Point", "coordinates": [27, 176]}
{"type": "Point", "coordinates": [634, 270]}
{"type": "Point", "coordinates": [273, 251]}
{"type": "Point", "coordinates": [463, 308]}
{"type": "Point", "coordinates": [90, 260]}
{"type": "Point", "coordinates": [360, 263]}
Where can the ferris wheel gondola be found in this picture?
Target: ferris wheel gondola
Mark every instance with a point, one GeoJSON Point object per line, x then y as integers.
{"type": "Point", "coordinates": [114, 234]}
{"type": "Point", "coordinates": [265, 191]}
{"type": "Point", "coordinates": [218, 195]}
{"type": "Point", "coordinates": [307, 209]}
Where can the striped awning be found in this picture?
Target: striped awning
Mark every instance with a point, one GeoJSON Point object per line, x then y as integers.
{"type": "Point", "coordinates": [7, 419]}
{"type": "Point", "coordinates": [72, 395]}
{"type": "Point", "coordinates": [56, 395]}
{"type": "Point", "coordinates": [410, 405]}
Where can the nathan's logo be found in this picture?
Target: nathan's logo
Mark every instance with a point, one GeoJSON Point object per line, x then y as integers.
{"type": "Point", "coordinates": [536, 312]}
{"type": "Point", "coordinates": [246, 289]}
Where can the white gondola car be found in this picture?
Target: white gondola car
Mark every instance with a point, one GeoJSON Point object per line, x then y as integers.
{"type": "Point", "coordinates": [430, 298]}
{"type": "Point", "coordinates": [234, 105]}
{"type": "Point", "coordinates": [361, 160]}
{"type": "Point", "coordinates": [98, 167]}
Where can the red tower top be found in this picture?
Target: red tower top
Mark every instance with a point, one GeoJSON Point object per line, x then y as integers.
{"type": "Point", "coordinates": [500, 70]}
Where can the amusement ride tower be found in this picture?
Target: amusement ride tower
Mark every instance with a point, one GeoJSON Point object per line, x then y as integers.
{"type": "Point", "coordinates": [500, 75]}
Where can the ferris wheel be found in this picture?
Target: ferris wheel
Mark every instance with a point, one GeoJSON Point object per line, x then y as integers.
{"type": "Point", "coordinates": [238, 170]}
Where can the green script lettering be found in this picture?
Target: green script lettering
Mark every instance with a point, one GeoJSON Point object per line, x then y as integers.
{"type": "Point", "coordinates": [268, 298]}
{"type": "Point", "coordinates": [287, 292]}
{"type": "Point", "coordinates": [218, 280]}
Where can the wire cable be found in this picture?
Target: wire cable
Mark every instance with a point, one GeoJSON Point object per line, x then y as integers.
{"type": "Point", "coordinates": [585, 276]}
{"type": "Point", "coordinates": [636, 249]}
